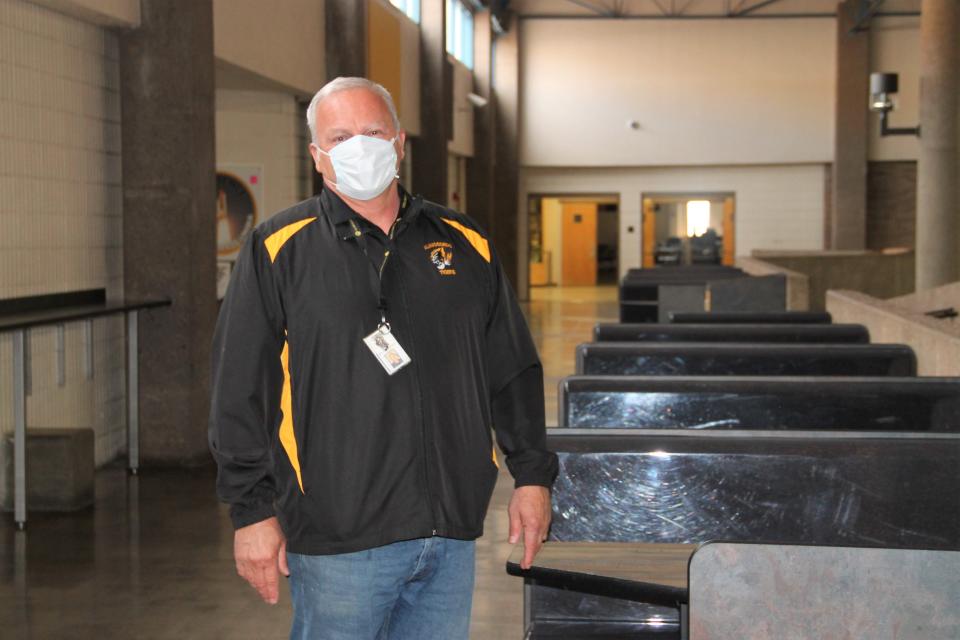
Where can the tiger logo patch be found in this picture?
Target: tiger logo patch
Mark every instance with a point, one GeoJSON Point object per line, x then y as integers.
{"type": "Point", "coordinates": [441, 256]}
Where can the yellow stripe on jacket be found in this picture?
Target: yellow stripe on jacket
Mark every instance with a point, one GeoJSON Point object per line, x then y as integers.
{"type": "Point", "coordinates": [287, 436]}
{"type": "Point", "coordinates": [478, 241]}
{"type": "Point", "coordinates": [275, 241]}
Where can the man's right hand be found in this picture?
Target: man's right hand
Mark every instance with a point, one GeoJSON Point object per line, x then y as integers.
{"type": "Point", "coordinates": [260, 551]}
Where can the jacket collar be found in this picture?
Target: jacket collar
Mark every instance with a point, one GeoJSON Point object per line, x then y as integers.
{"type": "Point", "coordinates": [340, 213]}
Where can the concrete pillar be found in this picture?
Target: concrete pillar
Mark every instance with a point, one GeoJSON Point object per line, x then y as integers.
{"type": "Point", "coordinates": [848, 223]}
{"type": "Point", "coordinates": [169, 244]}
{"type": "Point", "coordinates": [938, 217]}
{"type": "Point", "coordinates": [345, 30]}
{"type": "Point", "coordinates": [345, 47]}
{"type": "Point", "coordinates": [480, 166]}
{"type": "Point", "coordinates": [436, 105]}
{"type": "Point", "coordinates": [507, 232]}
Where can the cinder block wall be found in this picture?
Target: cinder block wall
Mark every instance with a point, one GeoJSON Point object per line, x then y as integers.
{"type": "Point", "coordinates": [265, 128]}
{"type": "Point", "coordinates": [60, 211]}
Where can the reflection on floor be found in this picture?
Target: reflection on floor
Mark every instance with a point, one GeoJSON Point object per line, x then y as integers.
{"type": "Point", "coordinates": [154, 558]}
{"type": "Point", "coordinates": [560, 319]}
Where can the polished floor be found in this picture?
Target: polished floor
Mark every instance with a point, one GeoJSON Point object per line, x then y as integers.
{"type": "Point", "coordinates": [153, 559]}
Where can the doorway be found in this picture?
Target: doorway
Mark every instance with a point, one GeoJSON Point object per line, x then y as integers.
{"type": "Point", "coordinates": [573, 240]}
{"type": "Point", "coordinates": [688, 228]}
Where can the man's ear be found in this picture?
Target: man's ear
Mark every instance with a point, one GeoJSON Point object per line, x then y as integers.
{"type": "Point", "coordinates": [315, 154]}
{"type": "Point", "coordinates": [401, 139]}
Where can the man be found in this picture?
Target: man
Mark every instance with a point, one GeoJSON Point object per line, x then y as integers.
{"type": "Point", "coordinates": [367, 343]}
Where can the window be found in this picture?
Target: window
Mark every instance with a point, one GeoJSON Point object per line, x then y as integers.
{"type": "Point", "coordinates": [460, 32]}
{"type": "Point", "coordinates": [698, 217]}
{"type": "Point", "coordinates": [410, 7]}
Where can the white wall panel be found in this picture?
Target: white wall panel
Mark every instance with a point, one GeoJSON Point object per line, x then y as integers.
{"type": "Point", "coordinates": [704, 92]}
{"type": "Point", "coordinates": [463, 114]}
{"type": "Point", "coordinates": [280, 41]}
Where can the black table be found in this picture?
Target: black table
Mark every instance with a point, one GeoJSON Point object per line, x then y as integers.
{"type": "Point", "coordinates": [744, 359]}
{"type": "Point", "coordinates": [631, 572]}
{"type": "Point", "coordinates": [19, 324]}
{"type": "Point", "coordinates": [774, 317]}
{"type": "Point", "coordinates": [775, 403]}
{"type": "Point", "coordinates": [644, 572]}
{"type": "Point", "coordinates": [723, 332]}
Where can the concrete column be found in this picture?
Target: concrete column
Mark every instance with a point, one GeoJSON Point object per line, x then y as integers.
{"type": "Point", "coordinates": [345, 47]}
{"type": "Point", "coordinates": [436, 105]}
{"type": "Point", "coordinates": [938, 217]}
{"type": "Point", "coordinates": [507, 221]}
{"type": "Point", "coordinates": [345, 30]}
{"type": "Point", "coordinates": [848, 223]}
{"type": "Point", "coordinates": [480, 166]}
{"type": "Point", "coordinates": [169, 244]}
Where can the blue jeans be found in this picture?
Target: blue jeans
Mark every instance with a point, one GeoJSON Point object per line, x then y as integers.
{"type": "Point", "coordinates": [417, 589]}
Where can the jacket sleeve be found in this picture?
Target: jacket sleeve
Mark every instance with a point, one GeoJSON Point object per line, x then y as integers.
{"type": "Point", "coordinates": [247, 378]}
{"type": "Point", "coordinates": [516, 387]}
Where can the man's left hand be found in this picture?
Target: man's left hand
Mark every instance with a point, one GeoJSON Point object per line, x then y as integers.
{"type": "Point", "coordinates": [529, 513]}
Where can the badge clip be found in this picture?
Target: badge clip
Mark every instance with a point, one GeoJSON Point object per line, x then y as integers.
{"type": "Point", "coordinates": [386, 349]}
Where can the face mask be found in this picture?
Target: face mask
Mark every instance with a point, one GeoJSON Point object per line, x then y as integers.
{"type": "Point", "coordinates": [365, 166]}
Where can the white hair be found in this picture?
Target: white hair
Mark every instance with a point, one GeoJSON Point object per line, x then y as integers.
{"type": "Point", "coordinates": [344, 84]}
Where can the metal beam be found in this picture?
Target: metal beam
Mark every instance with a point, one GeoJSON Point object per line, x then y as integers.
{"type": "Point", "coordinates": [865, 12]}
{"type": "Point", "coordinates": [663, 10]}
{"type": "Point", "coordinates": [755, 7]}
{"type": "Point", "coordinates": [600, 11]}
{"type": "Point", "coordinates": [749, 16]}
{"type": "Point", "coordinates": [678, 9]}
{"type": "Point", "coordinates": [672, 11]}
{"type": "Point", "coordinates": [683, 9]}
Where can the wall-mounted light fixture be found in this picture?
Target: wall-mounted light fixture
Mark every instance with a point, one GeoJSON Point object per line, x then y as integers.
{"type": "Point", "coordinates": [882, 88]}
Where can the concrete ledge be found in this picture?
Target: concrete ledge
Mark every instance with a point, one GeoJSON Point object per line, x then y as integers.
{"type": "Point", "coordinates": [926, 300]}
{"type": "Point", "coordinates": [881, 274]}
{"type": "Point", "coordinates": [798, 284]}
{"type": "Point", "coordinates": [60, 466]}
{"type": "Point", "coordinates": [936, 343]}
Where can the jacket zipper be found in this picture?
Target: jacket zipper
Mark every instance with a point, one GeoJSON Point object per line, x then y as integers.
{"type": "Point", "coordinates": [386, 254]}
{"type": "Point", "coordinates": [423, 427]}
{"type": "Point", "coordinates": [416, 365]}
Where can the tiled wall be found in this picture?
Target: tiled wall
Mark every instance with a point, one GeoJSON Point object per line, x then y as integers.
{"type": "Point", "coordinates": [891, 204]}
{"type": "Point", "coordinates": [264, 128]}
{"type": "Point", "coordinates": [60, 211]}
{"type": "Point", "coordinates": [60, 164]}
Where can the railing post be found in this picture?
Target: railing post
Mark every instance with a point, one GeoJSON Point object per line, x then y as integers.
{"type": "Point", "coordinates": [133, 394]}
{"type": "Point", "coordinates": [19, 429]}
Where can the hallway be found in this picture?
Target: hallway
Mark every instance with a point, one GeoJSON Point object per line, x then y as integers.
{"type": "Point", "coordinates": [154, 558]}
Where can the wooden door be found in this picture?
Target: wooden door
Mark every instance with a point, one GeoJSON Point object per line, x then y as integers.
{"type": "Point", "coordinates": [579, 244]}
{"type": "Point", "coordinates": [729, 233]}
{"type": "Point", "coordinates": [649, 240]}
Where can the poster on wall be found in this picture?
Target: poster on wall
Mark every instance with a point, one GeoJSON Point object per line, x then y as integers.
{"type": "Point", "coordinates": [239, 196]}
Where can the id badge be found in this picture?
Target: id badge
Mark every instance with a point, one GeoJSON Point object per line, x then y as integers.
{"type": "Point", "coordinates": [385, 348]}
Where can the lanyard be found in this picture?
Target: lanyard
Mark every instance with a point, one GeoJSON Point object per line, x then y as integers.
{"type": "Point", "coordinates": [381, 298]}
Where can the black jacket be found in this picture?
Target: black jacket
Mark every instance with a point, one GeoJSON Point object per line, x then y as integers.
{"type": "Point", "coordinates": [306, 425]}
